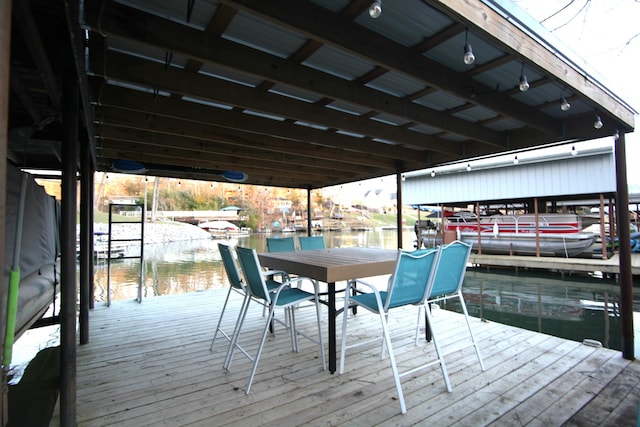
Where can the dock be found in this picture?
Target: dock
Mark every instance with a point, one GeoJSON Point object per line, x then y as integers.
{"type": "Point", "coordinates": [150, 364]}
{"type": "Point", "coordinates": [584, 265]}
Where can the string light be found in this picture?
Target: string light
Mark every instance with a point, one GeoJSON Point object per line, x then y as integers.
{"type": "Point", "coordinates": [468, 167]}
{"type": "Point", "coordinates": [468, 57]}
{"type": "Point", "coordinates": [597, 123]}
{"type": "Point", "coordinates": [375, 9]}
{"type": "Point", "coordinates": [574, 152]}
{"type": "Point", "coordinates": [515, 160]}
{"type": "Point", "coordinates": [433, 173]}
{"type": "Point", "coordinates": [524, 83]}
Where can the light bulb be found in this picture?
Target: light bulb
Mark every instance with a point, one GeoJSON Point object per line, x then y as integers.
{"type": "Point", "coordinates": [433, 173]}
{"type": "Point", "coordinates": [515, 160]}
{"type": "Point", "coordinates": [469, 57]}
{"type": "Point", "coordinates": [375, 9]}
{"type": "Point", "coordinates": [564, 106]}
{"type": "Point", "coordinates": [524, 83]}
{"type": "Point", "coordinates": [598, 122]}
{"type": "Point", "coordinates": [574, 152]}
{"type": "Point", "coordinates": [469, 167]}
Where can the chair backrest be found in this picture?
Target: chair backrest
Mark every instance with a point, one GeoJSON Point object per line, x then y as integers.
{"type": "Point", "coordinates": [451, 268]}
{"type": "Point", "coordinates": [280, 244]}
{"type": "Point", "coordinates": [230, 266]}
{"type": "Point", "coordinates": [412, 277]}
{"type": "Point", "coordinates": [252, 270]}
{"type": "Point", "coordinates": [311, 242]}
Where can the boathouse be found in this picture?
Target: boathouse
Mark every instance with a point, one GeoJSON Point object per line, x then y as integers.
{"type": "Point", "coordinates": [288, 93]}
{"type": "Point", "coordinates": [551, 174]}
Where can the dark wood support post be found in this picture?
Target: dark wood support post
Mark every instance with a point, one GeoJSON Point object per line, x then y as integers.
{"type": "Point", "coordinates": [536, 215]}
{"type": "Point", "coordinates": [5, 49]}
{"type": "Point", "coordinates": [603, 231]}
{"type": "Point", "coordinates": [309, 212]}
{"type": "Point", "coordinates": [399, 207]}
{"type": "Point", "coordinates": [86, 241]}
{"type": "Point", "coordinates": [68, 290]}
{"type": "Point", "coordinates": [624, 237]}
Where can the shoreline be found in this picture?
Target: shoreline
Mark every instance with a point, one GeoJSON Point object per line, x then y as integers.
{"type": "Point", "coordinates": [158, 232]}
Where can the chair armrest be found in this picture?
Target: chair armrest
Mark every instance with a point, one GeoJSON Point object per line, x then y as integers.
{"type": "Point", "coordinates": [352, 284]}
{"type": "Point", "coordinates": [283, 274]}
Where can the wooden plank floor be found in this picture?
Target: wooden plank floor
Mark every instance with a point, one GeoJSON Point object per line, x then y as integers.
{"type": "Point", "coordinates": [150, 364]}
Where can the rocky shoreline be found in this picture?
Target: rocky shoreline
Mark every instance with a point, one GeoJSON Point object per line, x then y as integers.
{"type": "Point", "coordinates": [158, 232]}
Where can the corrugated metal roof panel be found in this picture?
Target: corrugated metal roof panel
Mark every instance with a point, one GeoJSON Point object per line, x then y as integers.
{"type": "Point", "coordinates": [504, 124]}
{"type": "Point", "coordinates": [147, 52]}
{"type": "Point", "coordinates": [390, 119]}
{"type": "Point", "coordinates": [233, 76]}
{"type": "Point", "coordinates": [428, 130]}
{"type": "Point", "coordinates": [338, 63]}
{"type": "Point", "coordinates": [332, 5]}
{"type": "Point", "coordinates": [451, 52]}
{"type": "Point", "coordinates": [295, 93]}
{"type": "Point", "coordinates": [475, 114]}
{"type": "Point", "coordinates": [396, 84]}
{"type": "Point", "coordinates": [346, 107]}
{"type": "Point", "coordinates": [507, 76]}
{"type": "Point", "coordinates": [407, 22]}
{"type": "Point", "coordinates": [250, 30]}
{"type": "Point", "coordinates": [203, 10]}
{"type": "Point", "coordinates": [440, 101]}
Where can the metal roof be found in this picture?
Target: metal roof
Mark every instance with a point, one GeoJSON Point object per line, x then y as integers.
{"type": "Point", "coordinates": [295, 93]}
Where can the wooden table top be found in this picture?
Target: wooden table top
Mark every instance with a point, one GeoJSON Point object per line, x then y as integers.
{"type": "Point", "coordinates": [335, 264]}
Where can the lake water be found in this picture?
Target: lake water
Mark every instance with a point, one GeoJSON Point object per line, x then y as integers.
{"type": "Point", "coordinates": [575, 307]}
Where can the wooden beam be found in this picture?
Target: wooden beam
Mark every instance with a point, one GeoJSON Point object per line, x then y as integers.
{"type": "Point", "coordinates": [203, 132]}
{"type": "Point", "coordinates": [216, 147]}
{"type": "Point", "coordinates": [196, 114]}
{"type": "Point", "coordinates": [126, 22]}
{"type": "Point", "coordinates": [150, 74]}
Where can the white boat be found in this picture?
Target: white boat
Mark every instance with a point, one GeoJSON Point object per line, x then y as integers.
{"type": "Point", "coordinates": [224, 229]}
{"type": "Point", "coordinates": [554, 234]}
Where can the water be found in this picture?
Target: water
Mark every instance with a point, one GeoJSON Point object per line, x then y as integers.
{"type": "Point", "coordinates": [575, 307]}
{"type": "Point", "coordinates": [196, 265]}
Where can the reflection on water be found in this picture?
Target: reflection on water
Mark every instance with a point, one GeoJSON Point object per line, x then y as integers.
{"type": "Point", "coordinates": [174, 268]}
{"type": "Point", "coordinates": [576, 307]}
{"type": "Point", "coordinates": [573, 307]}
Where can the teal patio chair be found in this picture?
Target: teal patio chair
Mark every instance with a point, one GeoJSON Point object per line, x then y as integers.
{"type": "Point", "coordinates": [408, 284]}
{"type": "Point", "coordinates": [284, 296]}
{"type": "Point", "coordinates": [281, 244]}
{"type": "Point", "coordinates": [447, 284]}
{"type": "Point", "coordinates": [235, 285]}
{"type": "Point", "coordinates": [311, 242]}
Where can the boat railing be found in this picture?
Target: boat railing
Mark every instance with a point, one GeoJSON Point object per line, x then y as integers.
{"type": "Point", "coordinates": [526, 223]}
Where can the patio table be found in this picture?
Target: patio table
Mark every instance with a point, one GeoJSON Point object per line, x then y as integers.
{"type": "Point", "coordinates": [331, 266]}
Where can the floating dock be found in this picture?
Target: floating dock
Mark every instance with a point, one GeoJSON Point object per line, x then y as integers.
{"type": "Point", "coordinates": [585, 265]}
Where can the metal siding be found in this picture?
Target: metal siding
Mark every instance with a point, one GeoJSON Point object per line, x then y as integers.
{"type": "Point", "coordinates": [550, 178]}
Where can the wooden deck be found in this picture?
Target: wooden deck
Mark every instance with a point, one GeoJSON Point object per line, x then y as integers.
{"type": "Point", "coordinates": [150, 364]}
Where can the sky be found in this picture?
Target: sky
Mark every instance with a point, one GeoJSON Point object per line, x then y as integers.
{"type": "Point", "coordinates": [605, 34]}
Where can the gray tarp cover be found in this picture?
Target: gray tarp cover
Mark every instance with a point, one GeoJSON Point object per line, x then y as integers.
{"type": "Point", "coordinates": [39, 247]}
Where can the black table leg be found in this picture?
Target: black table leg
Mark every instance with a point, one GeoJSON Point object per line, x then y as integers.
{"type": "Point", "coordinates": [333, 314]}
{"type": "Point", "coordinates": [427, 331]}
